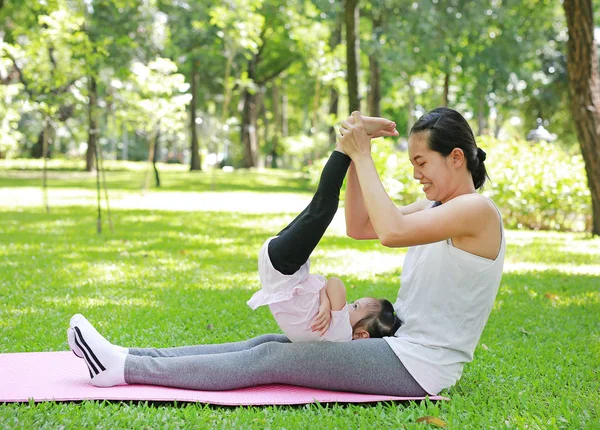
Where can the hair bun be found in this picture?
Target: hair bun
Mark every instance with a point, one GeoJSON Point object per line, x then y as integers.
{"type": "Point", "coordinates": [481, 155]}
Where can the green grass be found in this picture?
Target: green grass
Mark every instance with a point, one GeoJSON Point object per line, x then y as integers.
{"type": "Point", "coordinates": [167, 278]}
{"type": "Point", "coordinates": [132, 176]}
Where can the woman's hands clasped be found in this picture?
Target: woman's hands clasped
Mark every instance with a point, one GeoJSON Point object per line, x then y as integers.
{"type": "Point", "coordinates": [357, 131]}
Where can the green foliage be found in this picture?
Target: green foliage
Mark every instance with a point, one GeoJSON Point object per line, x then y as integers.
{"type": "Point", "coordinates": [10, 136]}
{"type": "Point", "coordinates": [151, 96]}
{"type": "Point", "coordinates": [537, 185]}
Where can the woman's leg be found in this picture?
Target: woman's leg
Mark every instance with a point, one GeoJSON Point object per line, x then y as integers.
{"type": "Point", "coordinates": [365, 366]}
{"type": "Point", "coordinates": [218, 348]}
{"type": "Point", "coordinates": [294, 244]}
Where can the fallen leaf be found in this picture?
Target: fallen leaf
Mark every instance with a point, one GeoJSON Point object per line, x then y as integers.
{"type": "Point", "coordinates": [210, 327]}
{"type": "Point", "coordinates": [484, 346]}
{"type": "Point", "coordinates": [524, 331]}
{"type": "Point", "coordinates": [428, 419]}
{"type": "Point", "coordinates": [551, 296]}
{"type": "Point", "coordinates": [183, 252]}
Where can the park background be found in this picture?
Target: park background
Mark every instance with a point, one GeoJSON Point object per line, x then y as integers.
{"type": "Point", "coordinates": [147, 148]}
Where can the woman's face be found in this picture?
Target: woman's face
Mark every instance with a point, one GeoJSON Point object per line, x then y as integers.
{"type": "Point", "coordinates": [430, 168]}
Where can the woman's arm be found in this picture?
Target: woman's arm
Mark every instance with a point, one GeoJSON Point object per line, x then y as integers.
{"type": "Point", "coordinates": [464, 216]}
{"type": "Point", "coordinates": [358, 223]}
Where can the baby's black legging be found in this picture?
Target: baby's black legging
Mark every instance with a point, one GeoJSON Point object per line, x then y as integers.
{"type": "Point", "coordinates": [294, 244]}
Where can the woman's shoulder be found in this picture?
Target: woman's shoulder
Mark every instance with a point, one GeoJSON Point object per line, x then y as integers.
{"type": "Point", "coordinates": [477, 203]}
{"type": "Point", "coordinates": [485, 237]}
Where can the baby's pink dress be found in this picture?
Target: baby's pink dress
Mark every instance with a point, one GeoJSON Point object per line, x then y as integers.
{"type": "Point", "coordinates": [294, 302]}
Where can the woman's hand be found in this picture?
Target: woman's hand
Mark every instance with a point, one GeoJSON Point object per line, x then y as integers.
{"type": "Point", "coordinates": [354, 139]}
{"type": "Point", "coordinates": [323, 319]}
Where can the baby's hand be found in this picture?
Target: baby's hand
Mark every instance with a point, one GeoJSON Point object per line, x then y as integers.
{"type": "Point", "coordinates": [377, 127]}
{"type": "Point", "coordinates": [323, 319]}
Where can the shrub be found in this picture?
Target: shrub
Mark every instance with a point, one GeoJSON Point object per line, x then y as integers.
{"type": "Point", "coordinates": [537, 185]}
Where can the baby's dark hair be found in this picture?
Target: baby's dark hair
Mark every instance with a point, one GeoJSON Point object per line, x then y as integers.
{"type": "Point", "coordinates": [381, 319]}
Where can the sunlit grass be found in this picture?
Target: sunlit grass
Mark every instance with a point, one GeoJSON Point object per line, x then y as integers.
{"type": "Point", "coordinates": [174, 277]}
{"type": "Point", "coordinates": [132, 176]}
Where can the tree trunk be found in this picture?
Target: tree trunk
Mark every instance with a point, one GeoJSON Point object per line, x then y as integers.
{"type": "Point", "coordinates": [446, 89]}
{"type": "Point", "coordinates": [352, 53]}
{"type": "Point", "coordinates": [45, 157]}
{"type": "Point", "coordinates": [498, 125]}
{"type": "Point", "coordinates": [125, 150]}
{"type": "Point", "coordinates": [285, 118]}
{"type": "Point", "coordinates": [264, 124]}
{"type": "Point", "coordinates": [584, 88]}
{"type": "Point", "coordinates": [249, 116]}
{"type": "Point", "coordinates": [92, 125]}
{"type": "Point", "coordinates": [374, 96]}
{"type": "Point", "coordinates": [411, 107]}
{"type": "Point", "coordinates": [249, 137]}
{"type": "Point", "coordinates": [481, 114]}
{"type": "Point", "coordinates": [314, 129]}
{"type": "Point", "coordinates": [336, 39]}
{"type": "Point", "coordinates": [37, 150]}
{"type": "Point", "coordinates": [196, 162]}
{"type": "Point", "coordinates": [155, 156]}
{"type": "Point", "coordinates": [277, 126]}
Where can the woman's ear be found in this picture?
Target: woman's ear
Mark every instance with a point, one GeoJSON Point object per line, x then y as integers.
{"type": "Point", "coordinates": [360, 334]}
{"type": "Point", "coordinates": [457, 156]}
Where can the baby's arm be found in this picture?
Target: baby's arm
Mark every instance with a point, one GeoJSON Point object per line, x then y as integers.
{"type": "Point", "coordinates": [332, 298]}
{"type": "Point", "coordinates": [336, 293]}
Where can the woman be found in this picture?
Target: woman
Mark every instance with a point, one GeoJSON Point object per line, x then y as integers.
{"type": "Point", "coordinates": [450, 278]}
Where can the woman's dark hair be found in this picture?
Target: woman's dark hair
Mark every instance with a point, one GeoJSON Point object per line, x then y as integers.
{"type": "Point", "coordinates": [381, 320]}
{"type": "Point", "coordinates": [448, 129]}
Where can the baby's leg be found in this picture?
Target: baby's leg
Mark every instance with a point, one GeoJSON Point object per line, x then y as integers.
{"type": "Point", "coordinates": [294, 244]}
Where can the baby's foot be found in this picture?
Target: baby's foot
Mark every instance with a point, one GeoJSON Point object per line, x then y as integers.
{"type": "Point", "coordinates": [105, 363]}
{"type": "Point", "coordinates": [376, 126]}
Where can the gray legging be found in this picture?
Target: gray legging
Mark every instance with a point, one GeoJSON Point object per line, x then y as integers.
{"type": "Point", "coordinates": [362, 366]}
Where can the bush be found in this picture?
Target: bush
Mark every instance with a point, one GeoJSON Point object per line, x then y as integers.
{"type": "Point", "coordinates": [535, 185]}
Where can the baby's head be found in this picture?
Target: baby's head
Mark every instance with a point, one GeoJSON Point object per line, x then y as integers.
{"type": "Point", "coordinates": [371, 317]}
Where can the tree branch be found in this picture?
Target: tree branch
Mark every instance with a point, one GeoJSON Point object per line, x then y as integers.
{"type": "Point", "coordinates": [274, 74]}
{"type": "Point", "coordinates": [263, 31]}
{"type": "Point", "coordinates": [20, 72]}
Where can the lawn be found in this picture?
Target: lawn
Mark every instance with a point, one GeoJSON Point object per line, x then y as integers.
{"type": "Point", "coordinates": [181, 264]}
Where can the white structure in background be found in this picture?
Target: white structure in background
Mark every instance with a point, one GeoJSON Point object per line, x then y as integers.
{"type": "Point", "coordinates": [540, 134]}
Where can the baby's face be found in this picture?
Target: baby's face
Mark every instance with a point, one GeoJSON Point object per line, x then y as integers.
{"type": "Point", "coordinates": [359, 309]}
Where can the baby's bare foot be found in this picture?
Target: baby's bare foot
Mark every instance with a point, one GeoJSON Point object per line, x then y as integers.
{"type": "Point", "coordinates": [376, 126]}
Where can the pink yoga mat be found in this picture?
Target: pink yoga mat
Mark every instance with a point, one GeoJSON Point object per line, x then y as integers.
{"type": "Point", "coordinates": [60, 376]}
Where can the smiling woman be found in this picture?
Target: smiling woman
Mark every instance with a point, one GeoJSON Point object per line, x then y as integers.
{"type": "Point", "coordinates": [453, 267]}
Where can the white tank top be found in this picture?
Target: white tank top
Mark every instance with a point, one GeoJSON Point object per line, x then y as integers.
{"type": "Point", "coordinates": [445, 299]}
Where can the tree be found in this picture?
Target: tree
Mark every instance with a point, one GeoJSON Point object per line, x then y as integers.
{"type": "Point", "coordinates": [351, 16]}
{"type": "Point", "coordinates": [584, 86]}
{"type": "Point", "coordinates": [39, 44]}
